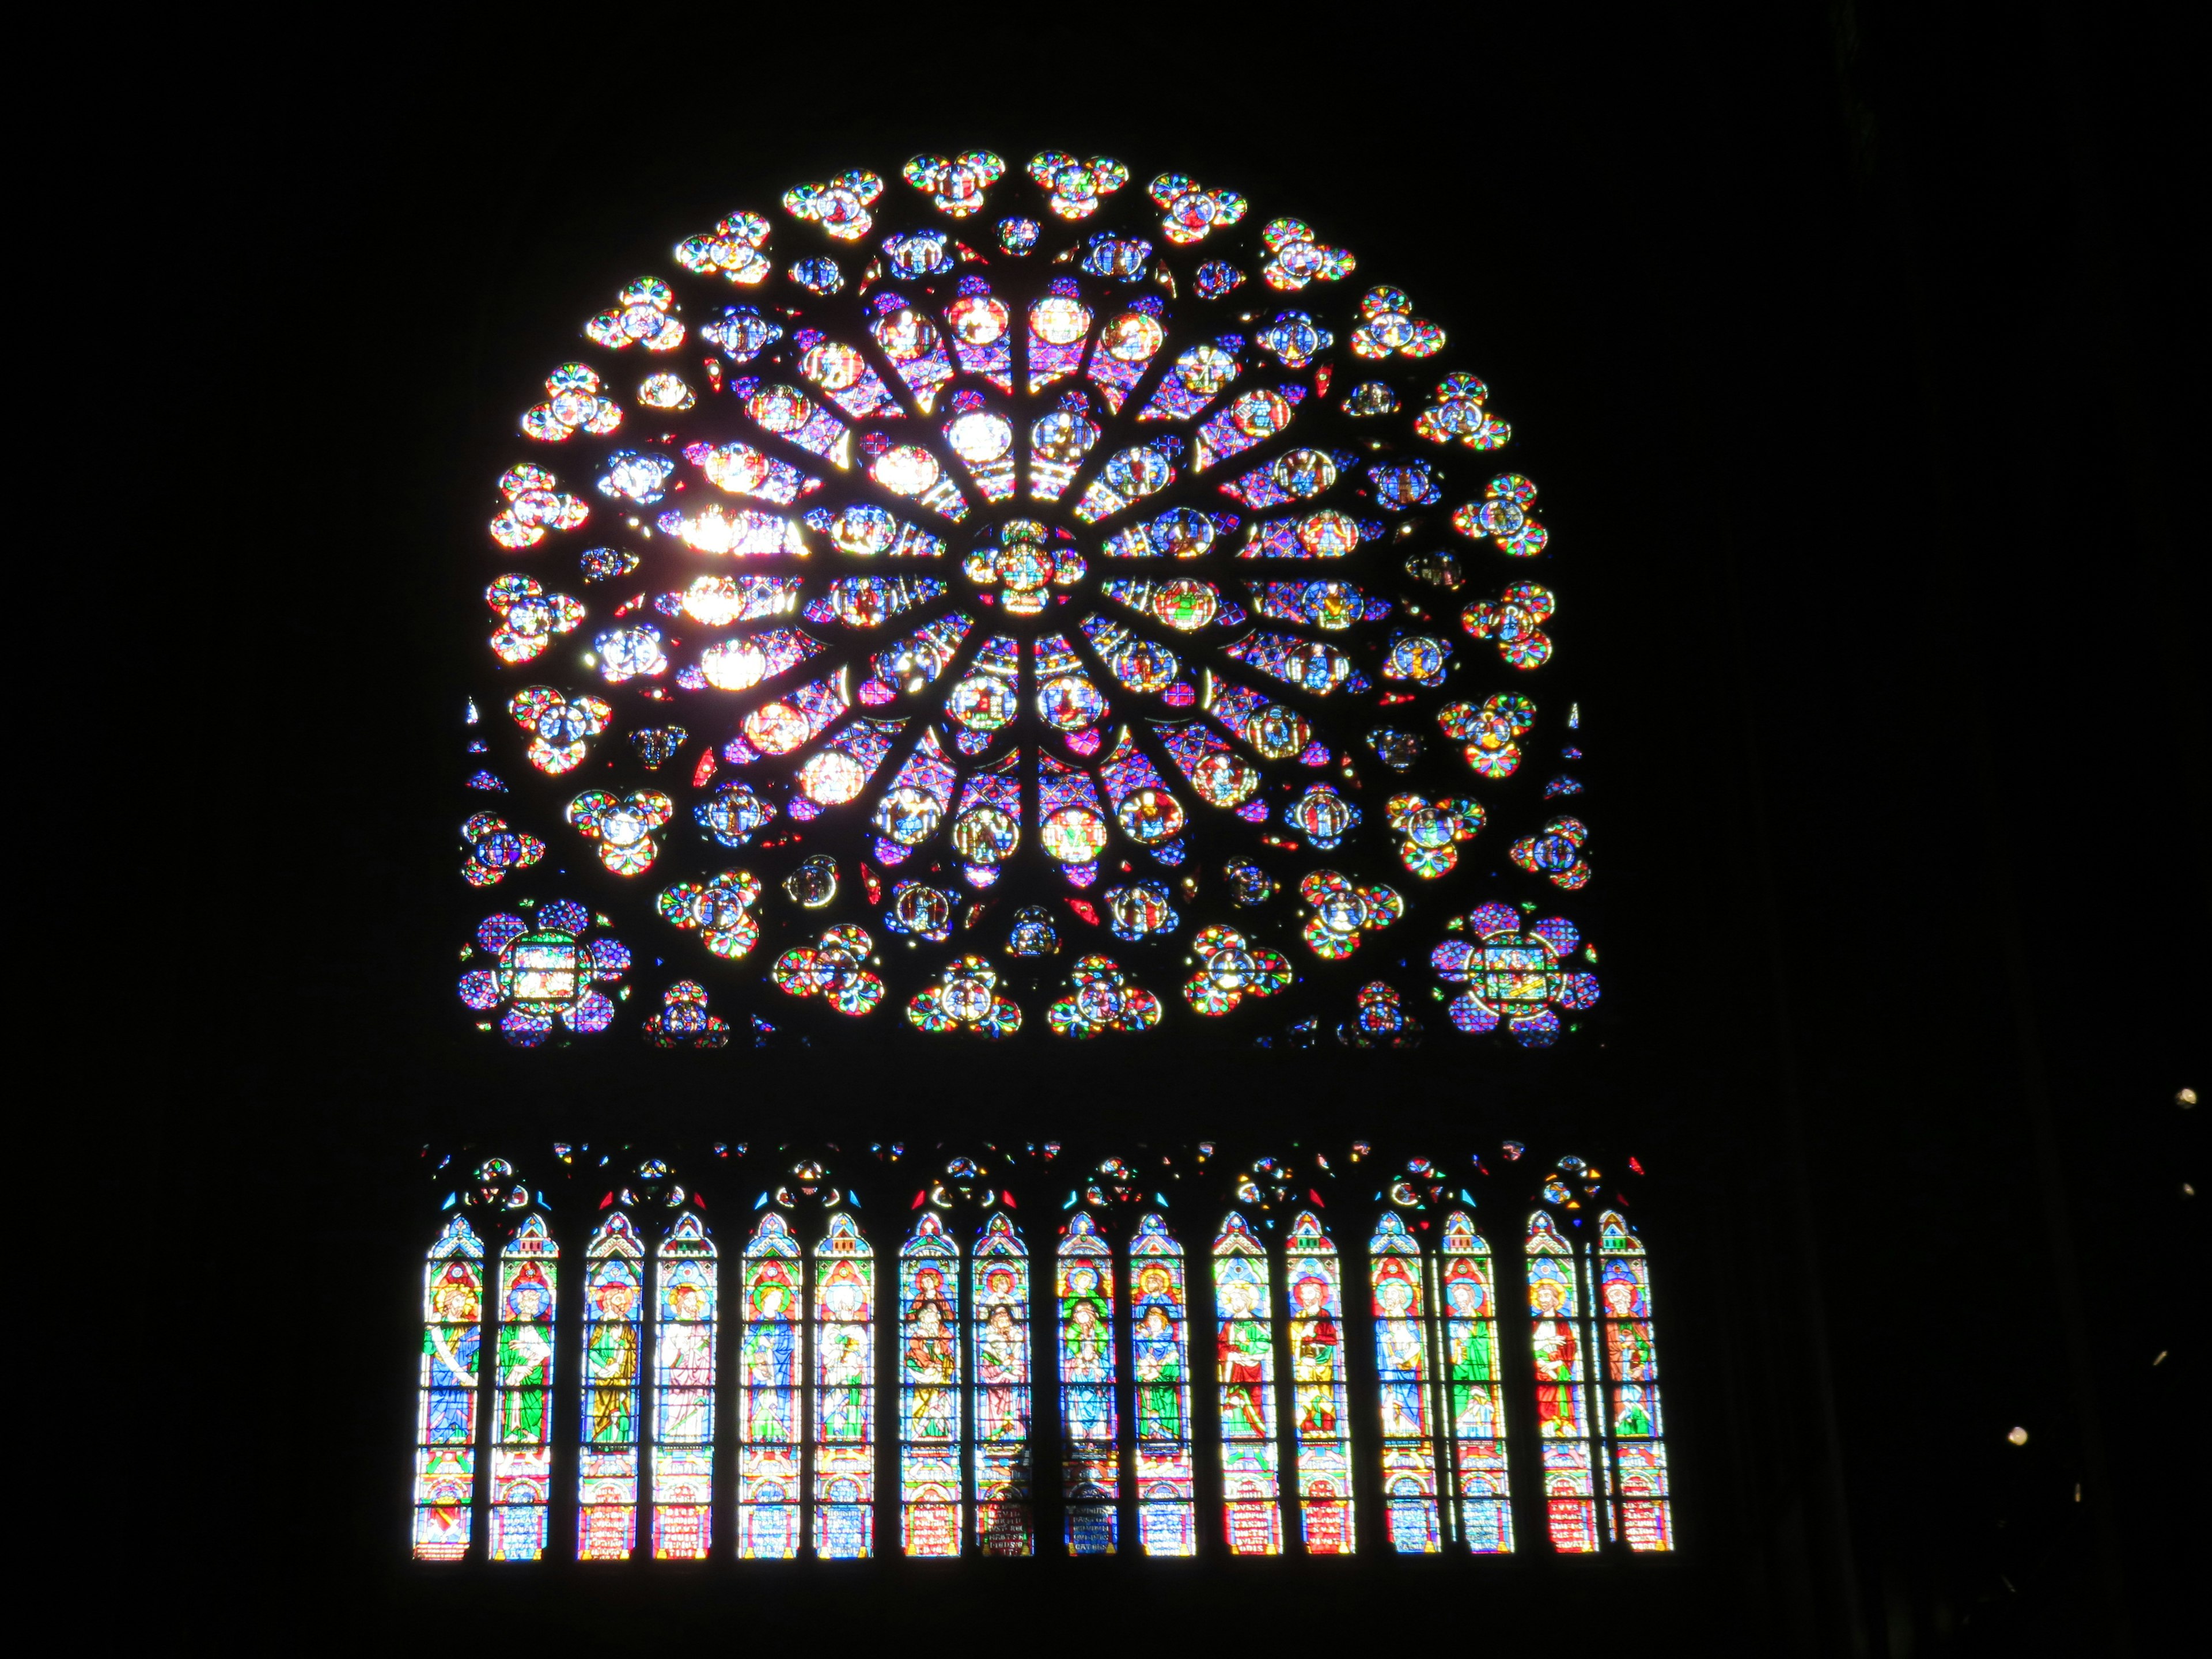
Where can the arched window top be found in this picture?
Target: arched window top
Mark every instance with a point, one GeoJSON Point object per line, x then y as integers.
{"type": "Point", "coordinates": [1461, 1238]}
{"type": "Point", "coordinates": [1391, 1237]}
{"type": "Point", "coordinates": [1616, 1237]}
{"type": "Point", "coordinates": [1236, 1237]}
{"type": "Point", "coordinates": [457, 1242]}
{"type": "Point", "coordinates": [1054, 575]}
{"type": "Point", "coordinates": [616, 1237]}
{"type": "Point", "coordinates": [1544, 1236]}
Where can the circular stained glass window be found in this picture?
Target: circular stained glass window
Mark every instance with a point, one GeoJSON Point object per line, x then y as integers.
{"type": "Point", "coordinates": [991, 598]}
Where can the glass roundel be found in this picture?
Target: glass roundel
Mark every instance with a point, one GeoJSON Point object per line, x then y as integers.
{"type": "Point", "coordinates": [1101, 587]}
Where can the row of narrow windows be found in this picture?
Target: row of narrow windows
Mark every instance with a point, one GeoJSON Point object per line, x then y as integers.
{"type": "Point", "coordinates": [1266, 1338]}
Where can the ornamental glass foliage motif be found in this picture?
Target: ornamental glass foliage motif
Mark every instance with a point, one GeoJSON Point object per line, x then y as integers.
{"type": "Point", "coordinates": [1111, 595]}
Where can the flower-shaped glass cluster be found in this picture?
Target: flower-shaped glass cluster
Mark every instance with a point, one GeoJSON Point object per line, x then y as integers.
{"type": "Point", "coordinates": [1191, 209]}
{"type": "Point", "coordinates": [1379, 1020]}
{"type": "Point", "coordinates": [684, 1021]}
{"type": "Point", "coordinates": [1513, 975]}
{"type": "Point", "coordinates": [622, 823]}
{"type": "Point", "coordinates": [1491, 730]}
{"type": "Point", "coordinates": [495, 849]}
{"type": "Point", "coordinates": [720, 911]}
{"type": "Point", "coordinates": [735, 248]}
{"type": "Point", "coordinates": [1515, 622]}
{"type": "Point", "coordinates": [546, 972]}
{"type": "Point", "coordinates": [1430, 828]}
{"type": "Point", "coordinates": [1231, 968]}
{"type": "Point", "coordinates": [955, 185]}
{"type": "Point", "coordinates": [1341, 909]}
{"type": "Point", "coordinates": [1388, 326]}
{"type": "Point", "coordinates": [573, 402]}
{"type": "Point", "coordinates": [561, 726]}
{"type": "Point", "coordinates": [1295, 258]}
{"type": "Point", "coordinates": [1101, 998]}
{"type": "Point", "coordinates": [966, 997]}
{"type": "Point", "coordinates": [1077, 186]}
{"type": "Point", "coordinates": [534, 505]}
{"type": "Point", "coordinates": [1556, 854]}
{"type": "Point", "coordinates": [835, 969]}
{"type": "Point", "coordinates": [1503, 515]}
{"type": "Point", "coordinates": [1458, 415]}
{"type": "Point", "coordinates": [529, 617]}
{"type": "Point", "coordinates": [841, 206]}
{"type": "Point", "coordinates": [643, 315]}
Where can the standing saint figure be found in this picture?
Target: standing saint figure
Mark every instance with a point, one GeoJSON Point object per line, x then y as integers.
{"type": "Point", "coordinates": [610, 1358]}
{"type": "Point", "coordinates": [1471, 1349]}
{"type": "Point", "coordinates": [1315, 1339]}
{"type": "Point", "coordinates": [526, 1358]}
{"type": "Point", "coordinates": [1159, 1376]}
{"type": "Point", "coordinates": [1001, 1366]}
{"type": "Point", "coordinates": [844, 1356]}
{"type": "Point", "coordinates": [929, 1361]}
{"type": "Point", "coordinates": [687, 1368]}
{"type": "Point", "coordinates": [1245, 1355]}
{"type": "Point", "coordinates": [1558, 1371]}
{"type": "Point", "coordinates": [771, 1364]}
{"type": "Point", "coordinates": [1400, 1357]}
{"type": "Point", "coordinates": [1087, 1356]}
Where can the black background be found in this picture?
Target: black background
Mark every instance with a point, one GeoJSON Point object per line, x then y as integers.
{"type": "Point", "coordinates": [1843, 333]}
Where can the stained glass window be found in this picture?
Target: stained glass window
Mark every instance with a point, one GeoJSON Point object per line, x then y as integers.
{"type": "Point", "coordinates": [685, 1302]}
{"type": "Point", "coordinates": [929, 1391]}
{"type": "Point", "coordinates": [1159, 1352]}
{"type": "Point", "coordinates": [1558, 1341]}
{"type": "Point", "coordinates": [607, 1465]}
{"type": "Point", "coordinates": [1405, 1367]}
{"type": "Point", "coordinates": [999, 1309]}
{"type": "Point", "coordinates": [1059, 575]}
{"type": "Point", "coordinates": [844, 1392]}
{"type": "Point", "coordinates": [1482, 1511]}
{"type": "Point", "coordinates": [1631, 1387]}
{"type": "Point", "coordinates": [771, 1344]}
{"type": "Point", "coordinates": [1244, 1339]}
{"type": "Point", "coordinates": [1315, 1303]}
{"type": "Point", "coordinates": [1090, 1421]}
{"type": "Point", "coordinates": [522, 1398]}
{"type": "Point", "coordinates": [445, 1412]}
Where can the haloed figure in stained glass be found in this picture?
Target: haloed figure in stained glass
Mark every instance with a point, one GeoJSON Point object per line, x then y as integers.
{"type": "Point", "coordinates": [451, 1342]}
{"type": "Point", "coordinates": [1471, 1359]}
{"type": "Point", "coordinates": [771, 1361]}
{"type": "Point", "coordinates": [1559, 1414]}
{"type": "Point", "coordinates": [1087, 1363]}
{"type": "Point", "coordinates": [1398, 1349]}
{"type": "Point", "coordinates": [1244, 1346]}
{"type": "Point", "coordinates": [610, 1360]}
{"type": "Point", "coordinates": [1001, 1367]}
{"type": "Point", "coordinates": [930, 1362]}
{"type": "Point", "coordinates": [525, 1358]}
{"type": "Point", "coordinates": [1315, 1339]}
{"type": "Point", "coordinates": [1158, 1352]}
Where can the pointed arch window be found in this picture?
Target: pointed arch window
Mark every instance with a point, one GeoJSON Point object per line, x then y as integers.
{"type": "Point", "coordinates": [1159, 1352]}
{"type": "Point", "coordinates": [844, 1392]}
{"type": "Point", "coordinates": [1405, 1366]}
{"type": "Point", "coordinates": [685, 1319]}
{"type": "Point", "coordinates": [1482, 1510]}
{"type": "Point", "coordinates": [929, 1391]}
{"type": "Point", "coordinates": [771, 1350]}
{"type": "Point", "coordinates": [614, 1314]}
{"type": "Point", "coordinates": [999, 1308]}
{"type": "Point", "coordinates": [1631, 1387]}
{"type": "Point", "coordinates": [1314, 1297]}
{"type": "Point", "coordinates": [445, 1410]}
{"type": "Point", "coordinates": [1244, 1338]}
{"type": "Point", "coordinates": [1090, 1421]}
{"type": "Point", "coordinates": [522, 1398]}
{"type": "Point", "coordinates": [1558, 1340]}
